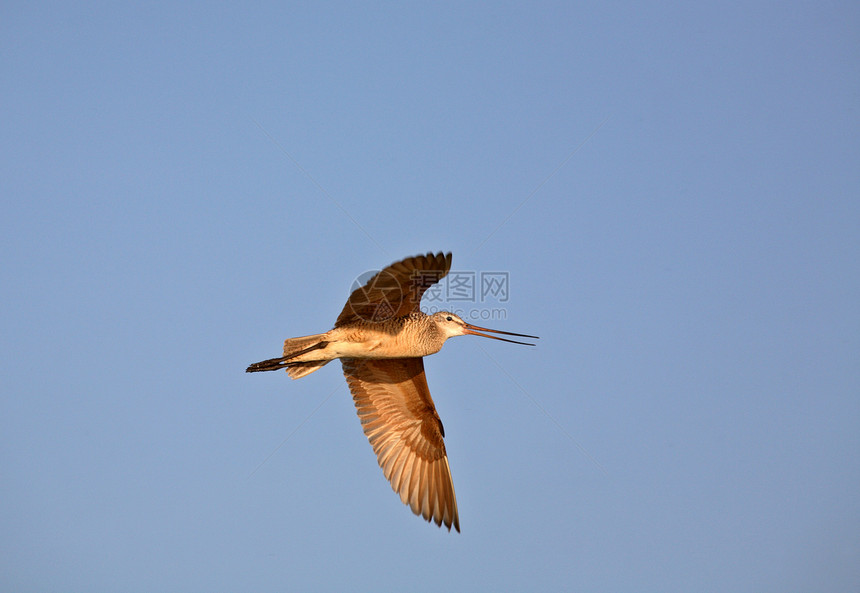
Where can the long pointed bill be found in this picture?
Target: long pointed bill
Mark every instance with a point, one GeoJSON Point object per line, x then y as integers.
{"type": "Point", "coordinates": [474, 330]}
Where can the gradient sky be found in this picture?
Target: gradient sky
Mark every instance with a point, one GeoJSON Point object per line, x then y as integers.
{"type": "Point", "coordinates": [672, 188]}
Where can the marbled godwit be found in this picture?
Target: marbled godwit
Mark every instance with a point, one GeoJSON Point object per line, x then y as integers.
{"type": "Point", "coordinates": [381, 336]}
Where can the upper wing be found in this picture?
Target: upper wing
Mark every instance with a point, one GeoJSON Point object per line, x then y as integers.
{"type": "Point", "coordinates": [396, 290]}
{"type": "Point", "coordinates": [401, 423]}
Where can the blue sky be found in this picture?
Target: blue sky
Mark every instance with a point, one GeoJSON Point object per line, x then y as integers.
{"type": "Point", "coordinates": [672, 189]}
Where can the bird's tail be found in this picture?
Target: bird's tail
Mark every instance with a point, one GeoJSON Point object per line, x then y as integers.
{"type": "Point", "coordinates": [298, 359]}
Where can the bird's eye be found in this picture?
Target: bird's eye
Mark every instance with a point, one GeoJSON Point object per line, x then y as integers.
{"type": "Point", "coordinates": [449, 318]}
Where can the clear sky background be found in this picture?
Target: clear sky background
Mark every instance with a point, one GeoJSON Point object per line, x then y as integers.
{"type": "Point", "coordinates": [673, 189]}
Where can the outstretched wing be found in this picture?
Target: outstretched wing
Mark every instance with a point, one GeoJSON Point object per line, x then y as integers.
{"type": "Point", "coordinates": [396, 290]}
{"type": "Point", "coordinates": [401, 423]}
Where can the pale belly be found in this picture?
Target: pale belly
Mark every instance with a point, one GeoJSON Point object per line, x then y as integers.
{"type": "Point", "coordinates": [378, 346]}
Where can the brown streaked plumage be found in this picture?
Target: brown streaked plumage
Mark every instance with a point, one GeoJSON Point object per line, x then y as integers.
{"type": "Point", "coordinates": [381, 336]}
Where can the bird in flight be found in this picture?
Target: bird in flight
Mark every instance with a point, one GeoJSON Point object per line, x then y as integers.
{"type": "Point", "coordinates": [381, 337]}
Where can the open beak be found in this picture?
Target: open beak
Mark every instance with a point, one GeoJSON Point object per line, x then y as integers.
{"type": "Point", "coordinates": [474, 330]}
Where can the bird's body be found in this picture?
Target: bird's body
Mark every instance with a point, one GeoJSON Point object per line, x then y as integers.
{"type": "Point", "coordinates": [381, 337]}
{"type": "Point", "coordinates": [416, 334]}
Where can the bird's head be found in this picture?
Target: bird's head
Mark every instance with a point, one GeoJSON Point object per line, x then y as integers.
{"type": "Point", "coordinates": [453, 325]}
